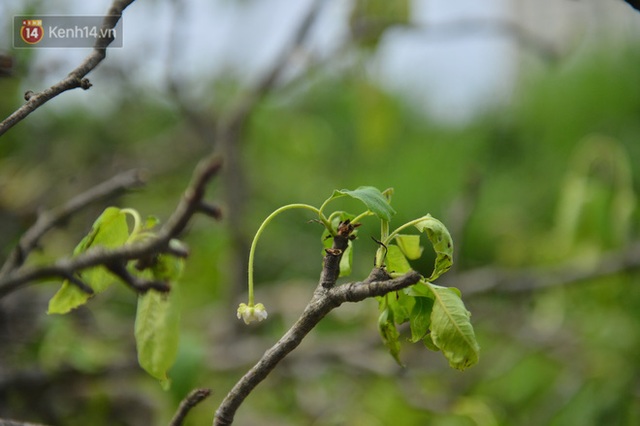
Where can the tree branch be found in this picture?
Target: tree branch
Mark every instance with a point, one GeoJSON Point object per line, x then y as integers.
{"type": "Point", "coordinates": [175, 225]}
{"type": "Point", "coordinates": [119, 269]}
{"type": "Point", "coordinates": [75, 78]}
{"type": "Point", "coordinates": [194, 398]}
{"type": "Point", "coordinates": [54, 217]}
{"type": "Point", "coordinates": [326, 298]}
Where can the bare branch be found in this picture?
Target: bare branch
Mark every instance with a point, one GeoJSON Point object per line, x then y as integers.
{"type": "Point", "coordinates": [358, 291]}
{"type": "Point", "coordinates": [79, 283]}
{"type": "Point", "coordinates": [75, 78]}
{"type": "Point", "coordinates": [194, 398]}
{"type": "Point", "coordinates": [54, 217]}
{"type": "Point", "coordinates": [192, 200]}
{"type": "Point", "coordinates": [119, 269]}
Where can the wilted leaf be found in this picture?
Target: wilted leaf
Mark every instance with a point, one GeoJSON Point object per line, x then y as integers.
{"type": "Point", "coordinates": [451, 329]}
{"type": "Point", "coordinates": [389, 333]}
{"type": "Point", "coordinates": [420, 318]}
{"type": "Point", "coordinates": [410, 246]}
{"type": "Point", "coordinates": [442, 244]}
{"type": "Point", "coordinates": [401, 306]}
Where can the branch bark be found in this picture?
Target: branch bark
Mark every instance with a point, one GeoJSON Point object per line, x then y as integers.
{"type": "Point", "coordinates": [54, 217]}
{"type": "Point", "coordinates": [194, 398]}
{"type": "Point", "coordinates": [75, 78]}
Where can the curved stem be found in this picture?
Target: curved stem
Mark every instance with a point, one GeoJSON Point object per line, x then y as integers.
{"type": "Point", "coordinates": [400, 228]}
{"type": "Point", "coordinates": [327, 201]}
{"type": "Point", "coordinates": [269, 218]}
{"type": "Point", "coordinates": [137, 222]}
{"type": "Point", "coordinates": [386, 238]}
{"type": "Point", "coordinates": [362, 215]}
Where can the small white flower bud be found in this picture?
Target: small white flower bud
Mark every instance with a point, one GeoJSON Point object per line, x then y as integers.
{"type": "Point", "coordinates": [250, 314]}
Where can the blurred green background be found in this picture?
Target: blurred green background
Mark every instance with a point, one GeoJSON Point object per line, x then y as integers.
{"type": "Point", "coordinates": [533, 187]}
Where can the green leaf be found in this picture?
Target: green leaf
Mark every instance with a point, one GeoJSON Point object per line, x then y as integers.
{"type": "Point", "coordinates": [401, 306]}
{"type": "Point", "coordinates": [442, 244]}
{"type": "Point", "coordinates": [421, 289]}
{"type": "Point", "coordinates": [410, 246]}
{"type": "Point", "coordinates": [389, 333]}
{"type": "Point", "coordinates": [157, 325]}
{"type": "Point", "coordinates": [428, 342]}
{"type": "Point", "coordinates": [395, 260]}
{"type": "Point", "coordinates": [151, 222]}
{"type": "Point", "coordinates": [156, 332]}
{"type": "Point", "coordinates": [420, 318]}
{"type": "Point", "coordinates": [68, 297]}
{"type": "Point", "coordinates": [346, 261]}
{"type": "Point", "coordinates": [168, 268]}
{"type": "Point", "coordinates": [451, 329]}
{"type": "Point", "coordinates": [375, 201]}
{"type": "Point", "coordinates": [110, 230]}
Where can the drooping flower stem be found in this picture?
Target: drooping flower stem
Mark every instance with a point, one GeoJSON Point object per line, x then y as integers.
{"type": "Point", "coordinates": [269, 218]}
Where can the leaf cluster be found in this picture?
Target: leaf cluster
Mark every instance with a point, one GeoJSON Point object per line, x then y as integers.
{"type": "Point", "coordinates": [436, 315]}
{"type": "Point", "coordinates": [158, 313]}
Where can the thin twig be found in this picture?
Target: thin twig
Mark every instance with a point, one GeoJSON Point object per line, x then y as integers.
{"type": "Point", "coordinates": [140, 285]}
{"type": "Point", "coordinates": [194, 398]}
{"type": "Point", "coordinates": [75, 78]}
{"type": "Point", "coordinates": [54, 217]}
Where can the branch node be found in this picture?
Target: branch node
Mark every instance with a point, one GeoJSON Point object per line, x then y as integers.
{"type": "Point", "coordinates": [73, 279]}
{"type": "Point", "coordinates": [177, 248]}
{"type": "Point", "coordinates": [195, 397]}
{"type": "Point", "coordinates": [210, 210]}
{"type": "Point", "coordinates": [85, 84]}
{"type": "Point", "coordinates": [333, 251]}
{"type": "Point", "coordinates": [28, 95]}
{"type": "Point", "coordinates": [138, 285]}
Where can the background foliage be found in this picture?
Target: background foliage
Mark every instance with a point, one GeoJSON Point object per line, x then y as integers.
{"type": "Point", "coordinates": [564, 354]}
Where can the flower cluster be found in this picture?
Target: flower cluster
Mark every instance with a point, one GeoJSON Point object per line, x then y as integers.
{"type": "Point", "coordinates": [252, 313]}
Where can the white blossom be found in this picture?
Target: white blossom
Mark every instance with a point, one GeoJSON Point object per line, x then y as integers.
{"type": "Point", "coordinates": [253, 313]}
